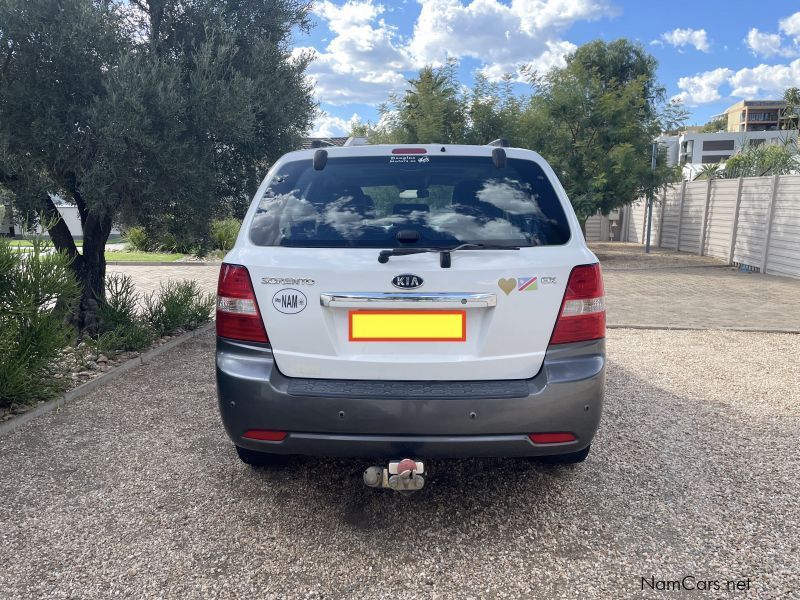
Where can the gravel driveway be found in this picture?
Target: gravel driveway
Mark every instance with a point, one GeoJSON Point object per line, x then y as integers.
{"type": "Point", "coordinates": [134, 491]}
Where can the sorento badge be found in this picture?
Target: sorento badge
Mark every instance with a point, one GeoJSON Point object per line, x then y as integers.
{"type": "Point", "coordinates": [407, 282]}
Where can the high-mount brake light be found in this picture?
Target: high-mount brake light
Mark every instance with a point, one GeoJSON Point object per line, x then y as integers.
{"type": "Point", "coordinates": [238, 317]}
{"type": "Point", "coordinates": [409, 151]}
{"type": "Point", "coordinates": [583, 310]}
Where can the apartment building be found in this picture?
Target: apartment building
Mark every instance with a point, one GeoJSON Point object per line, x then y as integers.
{"type": "Point", "coordinates": [756, 115]}
{"type": "Point", "coordinates": [692, 149]}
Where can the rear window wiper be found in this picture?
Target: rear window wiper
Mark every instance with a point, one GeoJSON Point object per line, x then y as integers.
{"type": "Point", "coordinates": [444, 253]}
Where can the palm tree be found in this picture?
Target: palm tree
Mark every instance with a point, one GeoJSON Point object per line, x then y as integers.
{"type": "Point", "coordinates": [791, 112]}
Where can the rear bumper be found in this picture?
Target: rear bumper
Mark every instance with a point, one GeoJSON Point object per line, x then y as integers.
{"type": "Point", "coordinates": [411, 418]}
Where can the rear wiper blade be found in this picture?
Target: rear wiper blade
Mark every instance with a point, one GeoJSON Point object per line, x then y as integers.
{"type": "Point", "coordinates": [444, 253]}
{"type": "Point", "coordinates": [479, 246]}
{"type": "Point", "coordinates": [383, 256]}
{"type": "Point", "coordinates": [444, 259]}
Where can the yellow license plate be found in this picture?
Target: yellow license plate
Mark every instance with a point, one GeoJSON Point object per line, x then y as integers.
{"type": "Point", "coordinates": [408, 326]}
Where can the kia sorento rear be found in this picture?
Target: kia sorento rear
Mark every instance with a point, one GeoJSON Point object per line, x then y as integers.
{"type": "Point", "coordinates": [411, 302]}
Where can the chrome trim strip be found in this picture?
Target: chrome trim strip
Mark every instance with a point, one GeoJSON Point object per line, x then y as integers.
{"type": "Point", "coordinates": [440, 299]}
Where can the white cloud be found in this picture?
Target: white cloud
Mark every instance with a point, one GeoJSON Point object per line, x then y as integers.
{"type": "Point", "coordinates": [765, 79]}
{"type": "Point", "coordinates": [502, 36]}
{"type": "Point", "coordinates": [767, 44]}
{"type": "Point", "coordinates": [703, 87]}
{"type": "Point", "coordinates": [688, 37]}
{"type": "Point", "coordinates": [327, 125]}
{"type": "Point", "coordinates": [773, 44]}
{"type": "Point", "coordinates": [365, 59]}
{"type": "Point", "coordinates": [791, 26]}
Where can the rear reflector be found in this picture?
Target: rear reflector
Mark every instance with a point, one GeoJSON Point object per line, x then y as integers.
{"type": "Point", "coordinates": [409, 151]}
{"type": "Point", "coordinates": [238, 317]}
{"type": "Point", "coordinates": [583, 311]}
{"type": "Point", "coordinates": [552, 438]}
{"type": "Point", "coordinates": [265, 435]}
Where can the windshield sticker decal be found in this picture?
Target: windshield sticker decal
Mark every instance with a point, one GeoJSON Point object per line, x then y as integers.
{"type": "Point", "coordinates": [407, 159]}
{"type": "Point", "coordinates": [527, 284]}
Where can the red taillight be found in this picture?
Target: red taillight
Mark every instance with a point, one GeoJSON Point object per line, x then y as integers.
{"type": "Point", "coordinates": [551, 438]}
{"type": "Point", "coordinates": [583, 311]}
{"type": "Point", "coordinates": [238, 317]}
{"type": "Point", "coordinates": [265, 435]}
{"type": "Point", "coordinates": [409, 151]}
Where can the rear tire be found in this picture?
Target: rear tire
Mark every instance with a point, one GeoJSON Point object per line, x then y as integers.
{"type": "Point", "coordinates": [571, 458]}
{"type": "Point", "coordinates": [260, 459]}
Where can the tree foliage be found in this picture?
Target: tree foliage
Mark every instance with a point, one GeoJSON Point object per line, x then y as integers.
{"type": "Point", "coordinates": [163, 113]}
{"type": "Point", "coordinates": [715, 125]}
{"type": "Point", "coordinates": [595, 120]}
{"type": "Point", "coordinates": [766, 159]}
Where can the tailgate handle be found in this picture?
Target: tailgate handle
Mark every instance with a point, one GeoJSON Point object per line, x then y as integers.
{"type": "Point", "coordinates": [365, 299]}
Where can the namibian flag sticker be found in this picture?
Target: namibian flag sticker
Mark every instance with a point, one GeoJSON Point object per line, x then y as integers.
{"type": "Point", "coordinates": [527, 284]}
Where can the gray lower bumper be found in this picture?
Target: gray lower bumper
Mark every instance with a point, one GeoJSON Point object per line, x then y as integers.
{"type": "Point", "coordinates": [408, 418]}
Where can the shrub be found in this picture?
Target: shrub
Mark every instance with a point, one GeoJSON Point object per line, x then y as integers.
{"type": "Point", "coordinates": [178, 305]}
{"type": "Point", "coordinates": [138, 239]}
{"type": "Point", "coordinates": [224, 232]}
{"type": "Point", "coordinates": [122, 327]}
{"type": "Point", "coordinates": [37, 294]}
{"type": "Point", "coordinates": [172, 243]}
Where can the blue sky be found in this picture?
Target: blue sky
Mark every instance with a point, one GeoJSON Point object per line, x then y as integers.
{"type": "Point", "coordinates": [711, 53]}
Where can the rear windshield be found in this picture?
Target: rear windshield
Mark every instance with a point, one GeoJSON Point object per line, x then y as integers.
{"type": "Point", "coordinates": [427, 201]}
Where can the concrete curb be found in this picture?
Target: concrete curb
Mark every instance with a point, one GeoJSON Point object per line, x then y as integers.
{"type": "Point", "coordinates": [691, 328]}
{"type": "Point", "coordinates": [174, 263]}
{"type": "Point", "coordinates": [80, 391]}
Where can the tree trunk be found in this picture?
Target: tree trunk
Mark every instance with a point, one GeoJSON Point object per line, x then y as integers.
{"type": "Point", "coordinates": [89, 267]}
{"type": "Point", "coordinates": [91, 271]}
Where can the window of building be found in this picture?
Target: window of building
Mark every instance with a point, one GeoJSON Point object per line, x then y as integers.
{"type": "Point", "coordinates": [714, 158]}
{"type": "Point", "coordinates": [717, 145]}
{"type": "Point", "coordinates": [757, 142]}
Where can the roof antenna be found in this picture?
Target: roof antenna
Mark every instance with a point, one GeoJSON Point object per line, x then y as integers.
{"type": "Point", "coordinates": [320, 159]}
{"type": "Point", "coordinates": [499, 158]}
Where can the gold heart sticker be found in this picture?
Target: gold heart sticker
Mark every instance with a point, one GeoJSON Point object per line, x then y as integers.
{"type": "Point", "coordinates": [507, 285]}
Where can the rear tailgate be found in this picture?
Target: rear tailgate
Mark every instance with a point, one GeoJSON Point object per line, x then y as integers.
{"type": "Point", "coordinates": [313, 303]}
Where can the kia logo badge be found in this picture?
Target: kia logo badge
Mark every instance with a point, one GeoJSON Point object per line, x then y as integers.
{"type": "Point", "coordinates": [407, 282]}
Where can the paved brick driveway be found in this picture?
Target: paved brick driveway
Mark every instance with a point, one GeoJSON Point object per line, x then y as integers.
{"type": "Point", "coordinates": [663, 289]}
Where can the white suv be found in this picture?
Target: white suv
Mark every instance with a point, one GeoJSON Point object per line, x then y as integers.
{"type": "Point", "coordinates": [411, 301]}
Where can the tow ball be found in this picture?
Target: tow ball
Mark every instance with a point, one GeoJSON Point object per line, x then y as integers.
{"type": "Point", "coordinates": [404, 476]}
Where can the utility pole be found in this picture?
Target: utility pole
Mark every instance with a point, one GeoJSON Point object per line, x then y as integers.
{"type": "Point", "coordinates": [651, 198]}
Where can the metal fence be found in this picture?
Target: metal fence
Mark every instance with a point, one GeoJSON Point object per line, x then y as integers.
{"type": "Point", "coordinates": [752, 222]}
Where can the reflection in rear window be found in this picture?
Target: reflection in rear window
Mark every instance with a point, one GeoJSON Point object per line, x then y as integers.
{"type": "Point", "coordinates": [441, 201]}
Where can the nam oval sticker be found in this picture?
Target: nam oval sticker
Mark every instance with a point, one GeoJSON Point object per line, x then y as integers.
{"type": "Point", "coordinates": [289, 301]}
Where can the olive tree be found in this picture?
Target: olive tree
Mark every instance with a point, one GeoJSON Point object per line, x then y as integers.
{"type": "Point", "coordinates": [160, 112]}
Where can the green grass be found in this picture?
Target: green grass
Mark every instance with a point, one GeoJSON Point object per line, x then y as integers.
{"type": "Point", "coordinates": [142, 257]}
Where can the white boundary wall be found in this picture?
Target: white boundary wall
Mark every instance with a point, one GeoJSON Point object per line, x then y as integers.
{"type": "Point", "coordinates": [753, 221]}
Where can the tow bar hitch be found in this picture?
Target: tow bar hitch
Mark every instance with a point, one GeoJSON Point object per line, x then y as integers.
{"type": "Point", "coordinates": [404, 476]}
